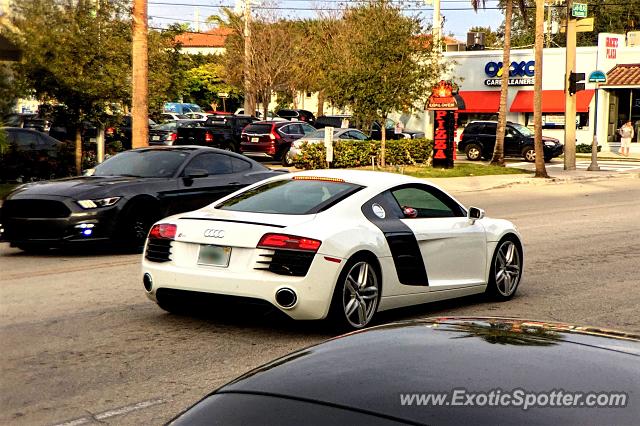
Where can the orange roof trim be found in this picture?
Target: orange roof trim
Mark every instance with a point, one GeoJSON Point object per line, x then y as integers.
{"type": "Point", "coordinates": [212, 38]}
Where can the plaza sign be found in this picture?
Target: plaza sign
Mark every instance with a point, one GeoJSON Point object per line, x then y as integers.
{"type": "Point", "coordinates": [520, 73]}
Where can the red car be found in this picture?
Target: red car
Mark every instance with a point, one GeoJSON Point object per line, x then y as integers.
{"type": "Point", "coordinates": [272, 139]}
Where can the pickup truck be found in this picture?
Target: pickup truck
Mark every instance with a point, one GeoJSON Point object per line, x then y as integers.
{"type": "Point", "coordinates": [220, 131]}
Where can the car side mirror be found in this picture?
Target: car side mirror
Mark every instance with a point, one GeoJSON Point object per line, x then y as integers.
{"type": "Point", "coordinates": [475, 213]}
{"type": "Point", "coordinates": [409, 212]}
{"type": "Point", "coordinates": [195, 173]}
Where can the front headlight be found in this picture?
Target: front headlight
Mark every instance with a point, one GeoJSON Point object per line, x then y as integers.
{"type": "Point", "coordinates": [94, 204]}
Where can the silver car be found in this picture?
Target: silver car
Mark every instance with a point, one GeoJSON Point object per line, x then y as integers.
{"type": "Point", "coordinates": [318, 137]}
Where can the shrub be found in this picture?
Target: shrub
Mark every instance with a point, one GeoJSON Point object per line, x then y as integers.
{"type": "Point", "coordinates": [584, 148]}
{"type": "Point", "coordinates": [352, 153]}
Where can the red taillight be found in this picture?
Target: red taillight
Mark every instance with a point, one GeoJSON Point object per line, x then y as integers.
{"type": "Point", "coordinates": [172, 137]}
{"type": "Point", "coordinates": [274, 135]}
{"type": "Point", "coordinates": [163, 231]}
{"type": "Point", "coordinates": [290, 242]}
{"type": "Point", "coordinates": [208, 137]}
{"type": "Point", "coordinates": [109, 131]}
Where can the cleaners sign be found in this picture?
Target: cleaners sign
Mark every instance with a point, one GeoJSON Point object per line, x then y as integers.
{"type": "Point", "coordinates": [520, 73]}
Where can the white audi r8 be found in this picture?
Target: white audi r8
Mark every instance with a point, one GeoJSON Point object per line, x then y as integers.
{"type": "Point", "coordinates": [342, 244]}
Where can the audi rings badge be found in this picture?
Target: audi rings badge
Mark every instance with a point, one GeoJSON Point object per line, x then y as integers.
{"type": "Point", "coordinates": [214, 233]}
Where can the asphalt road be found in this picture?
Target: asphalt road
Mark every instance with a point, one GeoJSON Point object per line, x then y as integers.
{"type": "Point", "coordinates": [81, 344]}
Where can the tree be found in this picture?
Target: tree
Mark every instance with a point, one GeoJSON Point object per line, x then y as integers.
{"type": "Point", "coordinates": [381, 62]}
{"type": "Point", "coordinates": [498, 151]}
{"type": "Point", "coordinates": [75, 52]}
{"type": "Point", "coordinates": [541, 170]}
{"type": "Point", "coordinates": [269, 69]}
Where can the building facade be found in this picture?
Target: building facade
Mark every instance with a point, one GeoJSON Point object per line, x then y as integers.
{"type": "Point", "coordinates": [601, 108]}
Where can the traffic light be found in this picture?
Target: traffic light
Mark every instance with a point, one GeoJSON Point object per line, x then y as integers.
{"type": "Point", "coordinates": [575, 84]}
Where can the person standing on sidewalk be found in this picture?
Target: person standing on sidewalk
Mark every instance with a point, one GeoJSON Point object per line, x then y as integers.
{"type": "Point", "coordinates": [626, 134]}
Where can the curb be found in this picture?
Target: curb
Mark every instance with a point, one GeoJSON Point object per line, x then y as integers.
{"type": "Point", "coordinates": [530, 180]}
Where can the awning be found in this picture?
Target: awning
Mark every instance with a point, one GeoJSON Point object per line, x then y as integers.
{"type": "Point", "coordinates": [552, 101]}
{"type": "Point", "coordinates": [480, 101]}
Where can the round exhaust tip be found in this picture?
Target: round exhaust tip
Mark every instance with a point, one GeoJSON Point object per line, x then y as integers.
{"type": "Point", "coordinates": [286, 297]}
{"type": "Point", "coordinates": [147, 281]}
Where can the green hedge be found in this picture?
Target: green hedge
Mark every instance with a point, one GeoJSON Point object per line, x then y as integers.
{"type": "Point", "coordinates": [584, 148]}
{"type": "Point", "coordinates": [351, 153]}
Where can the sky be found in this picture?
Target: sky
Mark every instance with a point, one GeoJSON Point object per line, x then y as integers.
{"type": "Point", "coordinates": [459, 16]}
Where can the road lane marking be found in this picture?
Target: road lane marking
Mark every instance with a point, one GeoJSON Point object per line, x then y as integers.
{"type": "Point", "coordinates": [112, 413]}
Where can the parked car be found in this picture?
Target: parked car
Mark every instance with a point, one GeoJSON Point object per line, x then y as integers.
{"type": "Point", "coordinates": [440, 371]}
{"type": "Point", "coordinates": [258, 114]}
{"type": "Point", "coordinates": [272, 139]}
{"type": "Point", "coordinates": [201, 116]}
{"type": "Point", "coordinates": [181, 108]}
{"type": "Point", "coordinates": [220, 131]}
{"type": "Point", "coordinates": [318, 137]}
{"type": "Point", "coordinates": [390, 131]}
{"type": "Point", "coordinates": [335, 121]}
{"type": "Point", "coordinates": [30, 154]}
{"type": "Point", "coordinates": [172, 116]}
{"type": "Point", "coordinates": [478, 140]}
{"type": "Point", "coordinates": [297, 114]}
{"type": "Point", "coordinates": [337, 244]}
{"type": "Point", "coordinates": [167, 133]}
{"type": "Point", "coordinates": [126, 194]}
{"type": "Point", "coordinates": [122, 132]}
{"type": "Point", "coordinates": [345, 120]}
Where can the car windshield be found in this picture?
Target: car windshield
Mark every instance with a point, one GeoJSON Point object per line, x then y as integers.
{"type": "Point", "coordinates": [151, 163]}
{"type": "Point", "coordinates": [522, 129]}
{"type": "Point", "coordinates": [289, 197]}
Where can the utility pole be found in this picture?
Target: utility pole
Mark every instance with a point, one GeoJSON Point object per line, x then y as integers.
{"type": "Point", "coordinates": [140, 83]}
{"type": "Point", "coordinates": [249, 96]}
{"type": "Point", "coordinates": [570, 99]}
{"type": "Point", "coordinates": [437, 25]}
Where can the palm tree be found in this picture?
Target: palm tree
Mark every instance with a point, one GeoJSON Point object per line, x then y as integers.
{"type": "Point", "coordinates": [541, 170]}
{"type": "Point", "coordinates": [140, 91]}
{"type": "Point", "coordinates": [498, 151]}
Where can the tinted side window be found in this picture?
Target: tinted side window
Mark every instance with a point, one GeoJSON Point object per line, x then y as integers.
{"type": "Point", "coordinates": [489, 129]}
{"type": "Point", "coordinates": [472, 129]}
{"type": "Point", "coordinates": [287, 130]}
{"type": "Point", "coordinates": [215, 164]}
{"type": "Point", "coordinates": [428, 202]}
{"type": "Point", "coordinates": [239, 165]}
{"type": "Point", "coordinates": [26, 140]}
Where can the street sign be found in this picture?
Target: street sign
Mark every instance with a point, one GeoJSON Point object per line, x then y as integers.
{"type": "Point", "coordinates": [223, 95]}
{"type": "Point", "coordinates": [579, 10]}
{"type": "Point", "coordinates": [597, 77]}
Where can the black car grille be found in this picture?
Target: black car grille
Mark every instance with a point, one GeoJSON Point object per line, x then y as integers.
{"type": "Point", "coordinates": [39, 209]}
{"type": "Point", "coordinates": [286, 262]}
{"type": "Point", "coordinates": [158, 250]}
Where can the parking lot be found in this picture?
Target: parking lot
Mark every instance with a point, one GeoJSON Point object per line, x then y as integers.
{"type": "Point", "coordinates": [83, 345]}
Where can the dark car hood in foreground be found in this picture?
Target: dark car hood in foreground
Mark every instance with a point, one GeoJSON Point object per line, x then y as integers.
{"type": "Point", "coordinates": [368, 371]}
{"type": "Point", "coordinates": [78, 186]}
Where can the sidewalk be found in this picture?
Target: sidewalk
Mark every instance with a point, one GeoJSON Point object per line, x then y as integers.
{"type": "Point", "coordinates": [483, 183]}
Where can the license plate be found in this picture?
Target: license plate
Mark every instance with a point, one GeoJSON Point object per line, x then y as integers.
{"type": "Point", "coordinates": [211, 255]}
{"type": "Point", "coordinates": [255, 139]}
{"type": "Point", "coordinates": [156, 138]}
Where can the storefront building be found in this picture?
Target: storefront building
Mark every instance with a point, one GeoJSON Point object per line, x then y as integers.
{"type": "Point", "coordinates": [618, 100]}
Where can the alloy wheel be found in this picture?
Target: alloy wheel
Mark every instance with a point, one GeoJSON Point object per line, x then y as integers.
{"type": "Point", "coordinates": [360, 294]}
{"type": "Point", "coordinates": [507, 268]}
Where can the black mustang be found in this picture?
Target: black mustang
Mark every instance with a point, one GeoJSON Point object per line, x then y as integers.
{"type": "Point", "coordinates": [125, 195]}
